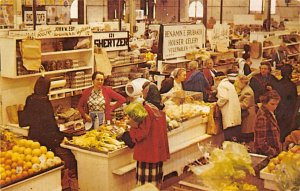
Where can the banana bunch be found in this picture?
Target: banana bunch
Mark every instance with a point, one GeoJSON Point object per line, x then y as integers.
{"type": "Point", "coordinates": [98, 140]}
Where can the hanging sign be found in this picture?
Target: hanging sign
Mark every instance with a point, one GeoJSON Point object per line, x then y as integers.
{"type": "Point", "coordinates": [112, 41]}
{"type": "Point", "coordinates": [41, 17]}
{"type": "Point", "coordinates": [180, 39]}
{"type": "Point", "coordinates": [220, 35]}
{"type": "Point", "coordinates": [50, 31]}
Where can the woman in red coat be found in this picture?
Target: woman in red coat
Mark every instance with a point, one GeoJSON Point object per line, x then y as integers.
{"type": "Point", "coordinates": [96, 99]}
{"type": "Point", "coordinates": [150, 138]}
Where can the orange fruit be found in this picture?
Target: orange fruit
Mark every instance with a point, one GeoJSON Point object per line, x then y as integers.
{"type": "Point", "coordinates": [7, 179]}
{"type": "Point", "coordinates": [7, 167]}
{"type": "Point", "coordinates": [14, 165]}
{"type": "Point", "coordinates": [19, 176]}
{"type": "Point", "coordinates": [30, 171]}
{"type": "Point", "coordinates": [8, 161]}
{"type": "Point", "coordinates": [2, 182]}
{"type": "Point", "coordinates": [8, 173]}
{"type": "Point", "coordinates": [24, 173]}
{"type": "Point", "coordinates": [13, 171]}
{"type": "Point", "coordinates": [13, 177]}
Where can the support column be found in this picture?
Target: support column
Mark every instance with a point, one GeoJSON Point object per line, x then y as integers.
{"type": "Point", "coordinates": [221, 12]}
{"type": "Point", "coordinates": [132, 16]}
{"type": "Point", "coordinates": [17, 13]}
{"type": "Point", "coordinates": [205, 12]}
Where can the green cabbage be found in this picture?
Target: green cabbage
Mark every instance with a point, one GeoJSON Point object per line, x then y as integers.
{"type": "Point", "coordinates": [136, 111]}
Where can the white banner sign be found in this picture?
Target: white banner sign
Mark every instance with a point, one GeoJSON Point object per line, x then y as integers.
{"type": "Point", "coordinates": [180, 39]}
{"type": "Point", "coordinates": [112, 41]}
{"type": "Point", "coordinates": [53, 31]}
{"type": "Point", "coordinates": [220, 35]}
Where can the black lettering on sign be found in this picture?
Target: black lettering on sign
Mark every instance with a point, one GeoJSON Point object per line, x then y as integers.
{"type": "Point", "coordinates": [106, 43]}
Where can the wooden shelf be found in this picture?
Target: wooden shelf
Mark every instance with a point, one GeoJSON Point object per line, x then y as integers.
{"type": "Point", "coordinates": [267, 60]}
{"type": "Point", "coordinates": [296, 54]}
{"type": "Point", "coordinates": [269, 47]}
{"type": "Point", "coordinates": [55, 72]}
{"type": "Point", "coordinates": [293, 43]}
{"type": "Point", "coordinates": [66, 52]}
{"type": "Point", "coordinates": [116, 87]}
{"type": "Point", "coordinates": [62, 93]}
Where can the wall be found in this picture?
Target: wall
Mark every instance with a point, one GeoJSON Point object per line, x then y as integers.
{"type": "Point", "coordinates": [166, 10]}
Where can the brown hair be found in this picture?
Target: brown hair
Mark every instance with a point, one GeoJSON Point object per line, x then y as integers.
{"type": "Point", "coordinates": [272, 94]}
{"type": "Point", "coordinates": [96, 73]}
{"type": "Point", "coordinates": [268, 64]}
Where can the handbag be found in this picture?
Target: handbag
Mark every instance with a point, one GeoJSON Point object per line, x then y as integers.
{"type": "Point", "coordinates": [31, 54]}
{"type": "Point", "coordinates": [23, 118]}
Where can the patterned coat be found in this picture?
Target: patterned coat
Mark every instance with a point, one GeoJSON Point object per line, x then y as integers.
{"type": "Point", "coordinates": [266, 134]}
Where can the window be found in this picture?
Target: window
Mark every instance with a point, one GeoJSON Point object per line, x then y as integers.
{"type": "Point", "coordinates": [256, 6]}
{"type": "Point", "coordinates": [196, 9]}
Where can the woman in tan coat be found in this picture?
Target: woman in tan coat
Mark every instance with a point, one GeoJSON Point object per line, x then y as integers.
{"type": "Point", "coordinates": [247, 102]}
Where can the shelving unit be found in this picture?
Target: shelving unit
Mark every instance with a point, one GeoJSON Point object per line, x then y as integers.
{"type": "Point", "coordinates": [272, 40]}
{"type": "Point", "coordinates": [76, 76]}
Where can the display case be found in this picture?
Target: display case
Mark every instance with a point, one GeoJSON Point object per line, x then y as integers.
{"type": "Point", "coordinates": [182, 106]}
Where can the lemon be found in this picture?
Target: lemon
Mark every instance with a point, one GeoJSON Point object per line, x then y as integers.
{"type": "Point", "coordinates": [27, 151]}
{"type": "Point", "coordinates": [43, 149]}
{"type": "Point", "coordinates": [36, 152]}
{"type": "Point", "coordinates": [50, 155]}
{"type": "Point", "coordinates": [35, 145]}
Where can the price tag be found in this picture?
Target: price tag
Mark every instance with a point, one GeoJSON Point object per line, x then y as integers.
{"type": "Point", "coordinates": [19, 169]}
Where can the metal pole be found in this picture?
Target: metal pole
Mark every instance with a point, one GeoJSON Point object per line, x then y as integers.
{"type": "Point", "coordinates": [178, 19]}
{"type": "Point", "coordinates": [221, 12]}
{"type": "Point", "coordinates": [34, 13]}
{"type": "Point", "coordinates": [269, 16]}
{"type": "Point", "coordinates": [205, 12]}
{"type": "Point", "coordinates": [119, 13]}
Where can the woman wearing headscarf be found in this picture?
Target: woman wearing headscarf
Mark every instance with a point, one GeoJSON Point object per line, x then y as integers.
{"type": "Point", "coordinates": [263, 82]}
{"type": "Point", "coordinates": [175, 82]}
{"type": "Point", "coordinates": [196, 81]}
{"type": "Point", "coordinates": [150, 138]}
{"type": "Point", "coordinates": [246, 97]}
{"type": "Point", "coordinates": [38, 114]}
{"type": "Point", "coordinates": [285, 112]}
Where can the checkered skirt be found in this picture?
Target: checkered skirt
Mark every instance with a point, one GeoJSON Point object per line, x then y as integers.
{"type": "Point", "coordinates": [149, 172]}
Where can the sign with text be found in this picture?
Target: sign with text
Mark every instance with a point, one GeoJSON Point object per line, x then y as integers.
{"type": "Point", "coordinates": [112, 41]}
{"type": "Point", "coordinates": [220, 35]}
{"type": "Point", "coordinates": [41, 17]}
{"type": "Point", "coordinates": [54, 31]}
{"type": "Point", "coordinates": [180, 39]}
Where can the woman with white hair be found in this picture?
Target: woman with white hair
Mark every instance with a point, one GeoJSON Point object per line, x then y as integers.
{"type": "Point", "coordinates": [247, 102]}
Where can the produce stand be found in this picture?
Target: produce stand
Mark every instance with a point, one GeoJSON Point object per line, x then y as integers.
{"type": "Point", "coordinates": [258, 161]}
{"type": "Point", "coordinates": [50, 180]}
{"type": "Point", "coordinates": [115, 170]}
